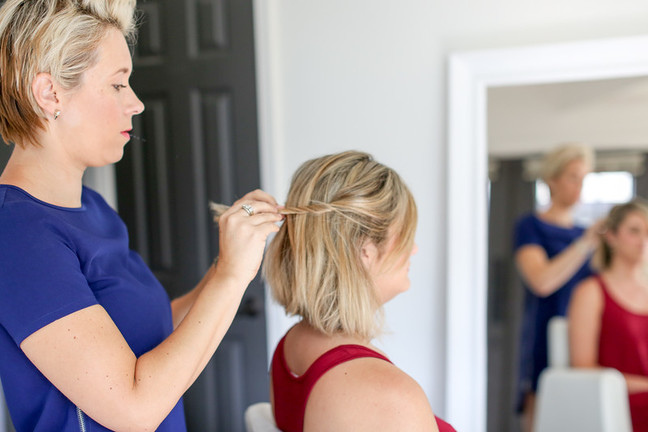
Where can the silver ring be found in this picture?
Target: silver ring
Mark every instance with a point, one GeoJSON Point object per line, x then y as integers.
{"type": "Point", "coordinates": [248, 209]}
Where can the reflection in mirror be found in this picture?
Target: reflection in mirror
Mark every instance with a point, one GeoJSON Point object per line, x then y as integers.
{"type": "Point", "coordinates": [524, 122]}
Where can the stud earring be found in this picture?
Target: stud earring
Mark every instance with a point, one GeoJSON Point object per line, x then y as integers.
{"type": "Point", "coordinates": [57, 113]}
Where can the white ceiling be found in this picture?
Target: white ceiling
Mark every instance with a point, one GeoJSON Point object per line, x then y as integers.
{"type": "Point", "coordinates": [606, 114]}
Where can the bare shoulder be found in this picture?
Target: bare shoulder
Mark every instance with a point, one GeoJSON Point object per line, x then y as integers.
{"type": "Point", "coordinates": [368, 394]}
{"type": "Point", "coordinates": [587, 293]}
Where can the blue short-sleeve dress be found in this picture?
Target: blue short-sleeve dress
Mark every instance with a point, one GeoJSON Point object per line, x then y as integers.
{"type": "Point", "coordinates": [55, 261]}
{"type": "Point", "coordinates": [531, 230]}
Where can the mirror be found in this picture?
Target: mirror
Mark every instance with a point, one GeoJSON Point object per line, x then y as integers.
{"type": "Point", "coordinates": [470, 75]}
{"type": "Point", "coordinates": [524, 122]}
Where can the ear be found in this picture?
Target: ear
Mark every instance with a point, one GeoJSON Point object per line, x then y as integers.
{"type": "Point", "coordinates": [609, 238]}
{"type": "Point", "coordinates": [44, 90]}
{"type": "Point", "coordinates": [369, 254]}
{"type": "Point", "coordinates": [551, 184]}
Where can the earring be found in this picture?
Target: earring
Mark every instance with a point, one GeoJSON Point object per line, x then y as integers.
{"type": "Point", "coordinates": [57, 113]}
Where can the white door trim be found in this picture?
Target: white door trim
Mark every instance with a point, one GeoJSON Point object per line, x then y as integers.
{"type": "Point", "coordinates": [470, 74]}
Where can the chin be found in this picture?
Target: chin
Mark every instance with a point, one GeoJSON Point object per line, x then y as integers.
{"type": "Point", "coordinates": [116, 157]}
{"type": "Point", "coordinates": [404, 288]}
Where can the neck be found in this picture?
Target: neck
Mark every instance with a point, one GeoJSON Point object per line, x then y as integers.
{"type": "Point", "coordinates": [559, 214]}
{"type": "Point", "coordinates": [629, 271]}
{"type": "Point", "coordinates": [337, 338]}
{"type": "Point", "coordinates": [44, 175]}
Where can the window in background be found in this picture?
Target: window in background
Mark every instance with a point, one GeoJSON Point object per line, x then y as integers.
{"type": "Point", "coordinates": [600, 192]}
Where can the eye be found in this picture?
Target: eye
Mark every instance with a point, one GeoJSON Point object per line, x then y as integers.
{"type": "Point", "coordinates": [119, 86]}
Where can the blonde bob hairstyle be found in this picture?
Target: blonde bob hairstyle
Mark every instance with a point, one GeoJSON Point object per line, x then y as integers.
{"type": "Point", "coordinates": [58, 37]}
{"type": "Point", "coordinates": [557, 159]}
{"type": "Point", "coordinates": [602, 258]}
{"type": "Point", "coordinates": [335, 205]}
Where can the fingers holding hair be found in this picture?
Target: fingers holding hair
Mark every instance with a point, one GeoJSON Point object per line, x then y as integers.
{"type": "Point", "coordinates": [243, 230]}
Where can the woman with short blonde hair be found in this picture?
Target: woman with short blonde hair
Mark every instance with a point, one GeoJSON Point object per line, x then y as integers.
{"type": "Point", "coordinates": [90, 339]}
{"type": "Point", "coordinates": [60, 38]}
{"type": "Point", "coordinates": [314, 265]}
{"type": "Point", "coordinates": [342, 252]}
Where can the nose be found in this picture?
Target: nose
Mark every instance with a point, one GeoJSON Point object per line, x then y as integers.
{"type": "Point", "coordinates": [414, 249]}
{"type": "Point", "coordinates": [135, 106]}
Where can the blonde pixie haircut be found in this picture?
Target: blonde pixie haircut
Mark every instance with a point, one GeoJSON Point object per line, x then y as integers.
{"type": "Point", "coordinates": [336, 204]}
{"type": "Point", "coordinates": [557, 159]}
{"type": "Point", "coordinates": [58, 37]}
{"type": "Point", "coordinates": [602, 258]}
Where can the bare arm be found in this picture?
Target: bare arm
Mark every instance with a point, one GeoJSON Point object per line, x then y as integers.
{"type": "Point", "coordinates": [85, 356]}
{"type": "Point", "coordinates": [636, 383]}
{"type": "Point", "coordinates": [545, 276]}
{"type": "Point", "coordinates": [180, 306]}
{"type": "Point", "coordinates": [585, 311]}
{"type": "Point", "coordinates": [584, 315]}
{"type": "Point", "coordinates": [368, 395]}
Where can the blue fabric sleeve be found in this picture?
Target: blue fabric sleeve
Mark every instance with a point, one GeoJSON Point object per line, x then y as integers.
{"type": "Point", "coordinates": [41, 276]}
{"type": "Point", "coordinates": [526, 233]}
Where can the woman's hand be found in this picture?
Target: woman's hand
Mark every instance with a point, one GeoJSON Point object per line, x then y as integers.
{"type": "Point", "coordinates": [238, 260]}
{"type": "Point", "coordinates": [242, 237]}
{"type": "Point", "coordinates": [545, 276]}
{"type": "Point", "coordinates": [594, 234]}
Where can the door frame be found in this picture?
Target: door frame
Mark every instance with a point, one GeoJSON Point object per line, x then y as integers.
{"type": "Point", "coordinates": [470, 74]}
{"type": "Point", "coordinates": [271, 138]}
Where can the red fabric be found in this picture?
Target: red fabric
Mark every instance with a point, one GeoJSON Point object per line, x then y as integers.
{"type": "Point", "coordinates": [623, 345]}
{"type": "Point", "coordinates": [291, 392]}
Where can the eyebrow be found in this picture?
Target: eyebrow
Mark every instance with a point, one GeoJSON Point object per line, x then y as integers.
{"type": "Point", "coordinates": [122, 70]}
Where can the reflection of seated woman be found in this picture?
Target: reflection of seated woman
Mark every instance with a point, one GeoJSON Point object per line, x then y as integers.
{"type": "Point", "coordinates": [342, 254]}
{"type": "Point", "coordinates": [608, 314]}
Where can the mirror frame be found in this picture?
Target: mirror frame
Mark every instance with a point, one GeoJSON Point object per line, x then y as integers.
{"type": "Point", "coordinates": [470, 74]}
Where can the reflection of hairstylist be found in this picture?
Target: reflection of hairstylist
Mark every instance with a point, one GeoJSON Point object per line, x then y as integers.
{"type": "Point", "coordinates": [551, 254]}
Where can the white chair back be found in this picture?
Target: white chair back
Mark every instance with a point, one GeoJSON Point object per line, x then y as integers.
{"type": "Point", "coordinates": [558, 340]}
{"type": "Point", "coordinates": [259, 418]}
{"type": "Point", "coordinates": [593, 400]}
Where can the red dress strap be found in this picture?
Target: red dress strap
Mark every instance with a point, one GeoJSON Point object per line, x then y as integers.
{"type": "Point", "coordinates": [291, 392]}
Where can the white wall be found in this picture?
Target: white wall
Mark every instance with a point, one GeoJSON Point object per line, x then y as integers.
{"type": "Point", "coordinates": [606, 114]}
{"type": "Point", "coordinates": [370, 75]}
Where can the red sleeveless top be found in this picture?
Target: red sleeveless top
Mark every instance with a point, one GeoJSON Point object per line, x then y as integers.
{"type": "Point", "coordinates": [290, 392]}
{"type": "Point", "coordinates": [623, 345]}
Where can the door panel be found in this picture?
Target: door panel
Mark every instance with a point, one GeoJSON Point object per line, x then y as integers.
{"type": "Point", "coordinates": [194, 70]}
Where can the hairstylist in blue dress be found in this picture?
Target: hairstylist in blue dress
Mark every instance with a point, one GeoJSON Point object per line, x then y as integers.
{"type": "Point", "coordinates": [552, 254]}
{"type": "Point", "coordinates": [88, 338]}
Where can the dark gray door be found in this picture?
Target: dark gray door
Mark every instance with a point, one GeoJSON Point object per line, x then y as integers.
{"type": "Point", "coordinates": [510, 197]}
{"type": "Point", "coordinates": [194, 71]}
